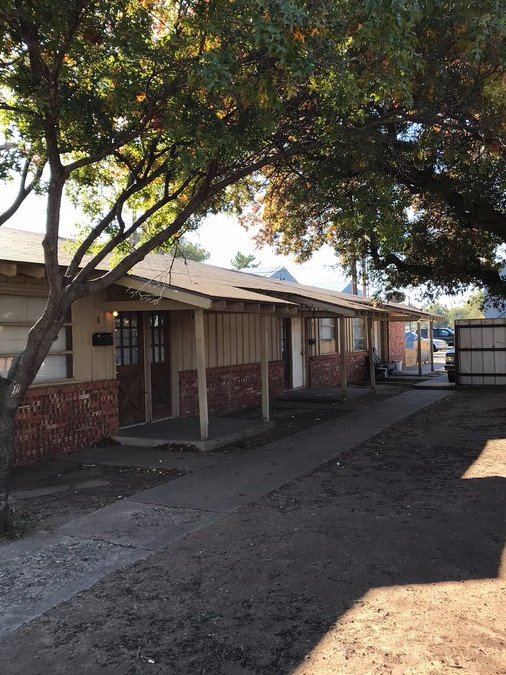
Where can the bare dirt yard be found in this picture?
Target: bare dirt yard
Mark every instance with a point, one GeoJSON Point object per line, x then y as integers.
{"type": "Point", "coordinates": [387, 560]}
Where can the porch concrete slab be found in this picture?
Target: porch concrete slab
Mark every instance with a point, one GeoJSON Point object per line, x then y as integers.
{"type": "Point", "coordinates": [183, 431]}
{"type": "Point", "coordinates": [243, 478]}
{"type": "Point", "coordinates": [144, 526]}
{"type": "Point", "coordinates": [150, 458]}
{"type": "Point", "coordinates": [411, 372]}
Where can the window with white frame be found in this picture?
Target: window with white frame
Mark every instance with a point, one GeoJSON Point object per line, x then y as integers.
{"type": "Point", "coordinates": [17, 316]}
{"type": "Point", "coordinates": [327, 329]}
{"type": "Point", "coordinates": [358, 335]}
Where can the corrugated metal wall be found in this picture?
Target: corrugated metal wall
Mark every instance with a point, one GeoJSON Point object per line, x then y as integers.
{"type": "Point", "coordinates": [231, 339]}
{"type": "Point", "coordinates": [480, 351]}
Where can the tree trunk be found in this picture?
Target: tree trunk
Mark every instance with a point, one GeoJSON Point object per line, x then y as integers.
{"type": "Point", "coordinates": [6, 461]}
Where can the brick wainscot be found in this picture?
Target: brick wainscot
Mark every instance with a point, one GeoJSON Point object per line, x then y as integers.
{"type": "Point", "coordinates": [65, 417]}
{"type": "Point", "coordinates": [229, 388]}
{"type": "Point", "coordinates": [325, 370]}
{"type": "Point", "coordinates": [396, 346]}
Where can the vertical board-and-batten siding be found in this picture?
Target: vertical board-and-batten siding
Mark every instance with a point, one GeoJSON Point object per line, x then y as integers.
{"type": "Point", "coordinates": [91, 363]}
{"type": "Point", "coordinates": [481, 351]}
{"type": "Point", "coordinates": [231, 339]}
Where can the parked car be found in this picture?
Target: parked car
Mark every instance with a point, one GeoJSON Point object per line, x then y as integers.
{"type": "Point", "coordinates": [446, 334]}
{"type": "Point", "coordinates": [410, 338]}
{"type": "Point", "coordinates": [450, 364]}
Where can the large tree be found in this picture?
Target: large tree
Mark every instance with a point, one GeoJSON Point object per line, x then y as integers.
{"type": "Point", "coordinates": [143, 112]}
{"type": "Point", "coordinates": [420, 191]}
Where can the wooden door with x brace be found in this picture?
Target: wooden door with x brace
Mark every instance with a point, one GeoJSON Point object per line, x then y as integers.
{"type": "Point", "coordinates": [142, 366]}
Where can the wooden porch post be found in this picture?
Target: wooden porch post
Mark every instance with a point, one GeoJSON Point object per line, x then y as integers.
{"type": "Point", "coordinates": [419, 346]}
{"type": "Point", "coordinates": [148, 409]}
{"type": "Point", "coordinates": [370, 345]}
{"type": "Point", "coordinates": [431, 346]}
{"type": "Point", "coordinates": [343, 346]}
{"type": "Point", "coordinates": [264, 363]}
{"type": "Point", "coordinates": [200, 352]}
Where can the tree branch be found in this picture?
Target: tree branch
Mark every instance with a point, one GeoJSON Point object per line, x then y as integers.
{"type": "Point", "coordinates": [123, 235]}
{"type": "Point", "coordinates": [469, 214]}
{"type": "Point", "coordinates": [123, 267]}
{"type": "Point", "coordinates": [115, 212]}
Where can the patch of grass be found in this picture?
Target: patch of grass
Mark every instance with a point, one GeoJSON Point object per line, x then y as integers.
{"type": "Point", "coordinates": [21, 523]}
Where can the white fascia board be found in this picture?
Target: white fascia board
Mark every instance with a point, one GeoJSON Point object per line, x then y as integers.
{"type": "Point", "coordinates": [159, 290]}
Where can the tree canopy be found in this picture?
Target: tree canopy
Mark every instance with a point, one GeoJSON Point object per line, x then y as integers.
{"type": "Point", "coordinates": [420, 190]}
{"type": "Point", "coordinates": [241, 261]}
{"type": "Point", "coordinates": [144, 112]}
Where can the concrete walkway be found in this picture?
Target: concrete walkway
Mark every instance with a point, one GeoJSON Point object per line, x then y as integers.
{"type": "Point", "coordinates": [38, 573]}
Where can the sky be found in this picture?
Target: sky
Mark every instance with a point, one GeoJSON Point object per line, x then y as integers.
{"type": "Point", "coordinates": [223, 236]}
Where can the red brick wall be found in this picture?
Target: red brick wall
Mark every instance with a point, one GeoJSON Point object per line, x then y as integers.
{"type": "Point", "coordinates": [357, 366]}
{"type": "Point", "coordinates": [396, 347]}
{"type": "Point", "coordinates": [229, 388]}
{"type": "Point", "coordinates": [63, 418]}
{"type": "Point", "coordinates": [325, 370]}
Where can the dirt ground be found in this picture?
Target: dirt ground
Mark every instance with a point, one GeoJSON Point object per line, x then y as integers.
{"type": "Point", "coordinates": [57, 490]}
{"type": "Point", "coordinates": [389, 559]}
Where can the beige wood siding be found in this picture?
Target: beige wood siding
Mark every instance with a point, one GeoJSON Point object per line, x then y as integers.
{"type": "Point", "coordinates": [92, 363]}
{"type": "Point", "coordinates": [231, 339]}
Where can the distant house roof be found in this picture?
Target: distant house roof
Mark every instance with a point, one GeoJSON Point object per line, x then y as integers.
{"type": "Point", "coordinates": [349, 289]}
{"type": "Point", "coordinates": [212, 287]}
{"type": "Point", "coordinates": [278, 272]}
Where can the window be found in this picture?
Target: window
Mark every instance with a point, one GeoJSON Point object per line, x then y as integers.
{"type": "Point", "coordinates": [17, 316]}
{"type": "Point", "coordinates": [327, 329]}
{"type": "Point", "coordinates": [127, 339]}
{"type": "Point", "coordinates": [358, 335]}
{"type": "Point", "coordinates": [157, 336]}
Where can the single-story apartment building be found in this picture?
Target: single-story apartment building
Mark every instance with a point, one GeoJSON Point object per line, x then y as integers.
{"type": "Point", "coordinates": [179, 338]}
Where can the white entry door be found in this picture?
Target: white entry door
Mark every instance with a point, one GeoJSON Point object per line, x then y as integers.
{"type": "Point", "coordinates": [297, 352]}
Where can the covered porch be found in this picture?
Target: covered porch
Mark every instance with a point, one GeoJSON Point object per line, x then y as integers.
{"type": "Point", "coordinates": [203, 314]}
